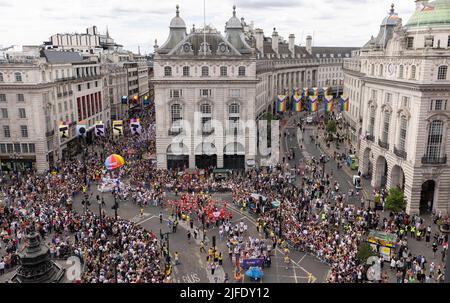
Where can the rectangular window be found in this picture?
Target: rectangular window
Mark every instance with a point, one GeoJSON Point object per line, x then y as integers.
{"type": "Point", "coordinates": [22, 113]}
{"type": "Point", "coordinates": [205, 93]}
{"type": "Point", "coordinates": [387, 120]}
{"type": "Point", "coordinates": [176, 93]}
{"type": "Point", "coordinates": [17, 148]}
{"type": "Point", "coordinates": [2, 98]}
{"type": "Point", "coordinates": [403, 130]}
{"type": "Point", "coordinates": [448, 42]}
{"type": "Point", "coordinates": [388, 98]}
{"type": "Point", "coordinates": [186, 71]}
{"type": "Point", "coordinates": [410, 42]}
{"type": "Point", "coordinates": [372, 121]}
{"type": "Point", "coordinates": [20, 97]}
{"type": "Point", "coordinates": [24, 131]}
{"type": "Point", "coordinates": [435, 132]}
{"type": "Point", "coordinates": [3, 148]}
{"type": "Point", "coordinates": [405, 101]}
{"type": "Point", "coordinates": [88, 104]}
{"type": "Point", "coordinates": [6, 131]}
{"type": "Point", "coordinates": [32, 148]}
{"type": "Point", "coordinates": [9, 148]}
{"type": "Point", "coordinates": [24, 148]}
{"type": "Point", "coordinates": [79, 87]}
{"type": "Point", "coordinates": [4, 113]}
{"type": "Point", "coordinates": [429, 41]}
{"type": "Point", "coordinates": [80, 115]}
{"type": "Point", "coordinates": [438, 105]}
{"type": "Point", "coordinates": [88, 85]}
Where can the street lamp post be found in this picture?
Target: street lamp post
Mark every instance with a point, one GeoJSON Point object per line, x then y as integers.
{"type": "Point", "coordinates": [447, 268]}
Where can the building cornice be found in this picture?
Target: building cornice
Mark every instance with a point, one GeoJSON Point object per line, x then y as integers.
{"type": "Point", "coordinates": [204, 81]}
{"type": "Point", "coordinates": [27, 86]}
{"type": "Point", "coordinates": [413, 86]}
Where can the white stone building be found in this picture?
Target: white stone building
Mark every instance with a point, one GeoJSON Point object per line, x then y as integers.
{"type": "Point", "coordinates": [402, 88]}
{"type": "Point", "coordinates": [38, 90]}
{"type": "Point", "coordinates": [201, 77]}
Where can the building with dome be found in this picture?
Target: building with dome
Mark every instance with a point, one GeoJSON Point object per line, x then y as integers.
{"type": "Point", "coordinates": [202, 77]}
{"type": "Point", "coordinates": [399, 89]}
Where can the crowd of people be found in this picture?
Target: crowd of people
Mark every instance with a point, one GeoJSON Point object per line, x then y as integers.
{"type": "Point", "coordinates": [312, 216]}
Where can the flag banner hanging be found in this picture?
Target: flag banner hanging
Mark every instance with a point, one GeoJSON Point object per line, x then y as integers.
{"type": "Point", "coordinates": [305, 92]}
{"type": "Point", "coordinates": [81, 130]}
{"type": "Point", "coordinates": [325, 90]}
{"type": "Point", "coordinates": [297, 103]}
{"type": "Point", "coordinates": [281, 103]}
{"type": "Point", "coordinates": [345, 104]}
{"type": "Point", "coordinates": [313, 105]}
{"type": "Point", "coordinates": [329, 105]}
{"type": "Point", "coordinates": [316, 91]}
{"type": "Point", "coordinates": [64, 131]}
{"type": "Point", "coordinates": [135, 126]}
{"type": "Point", "coordinates": [99, 129]}
{"type": "Point", "coordinates": [124, 100]}
{"type": "Point", "coordinates": [117, 128]}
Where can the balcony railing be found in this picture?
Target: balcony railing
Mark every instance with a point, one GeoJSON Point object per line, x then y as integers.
{"type": "Point", "coordinates": [383, 144]}
{"type": "Point", "coordinates": [434, 160]}
{"type": "Point", "coordinates": [400, 153]}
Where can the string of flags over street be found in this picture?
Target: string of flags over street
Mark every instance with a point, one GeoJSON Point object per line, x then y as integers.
{"type": "Point", "coordinates": [298, 101]}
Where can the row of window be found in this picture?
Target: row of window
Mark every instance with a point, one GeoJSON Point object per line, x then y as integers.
{"type": "Point", "coordinates": [88, 85]}
{"type": "Point", "coordinates": [17, 77]}
{"type": "Point", "coordinates": [428, 42]}
{"type": "Point", "coordinates": [23, 131]}
{"type": "Point", "coordinates": [434, 139]}
{"type": "Point", "coordinates": [178, 93]}
{"type": "Point", "coordinates": [19, 98]}
{"type": "Point", "coordinates": [176, 114]}
{"type": "Point", "coordinates": [5, 114]}
{"type": "Point", "coordinates": [204, 71]}
{"type": "Point", "coordinates": [441, 73]}
{"type": "Point", "coordinates": [19, 148]}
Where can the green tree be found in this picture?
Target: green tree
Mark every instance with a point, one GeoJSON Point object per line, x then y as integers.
{"type": "Point", "coordinates": [395, 201]}
{"type": "Point", "coordinates": [331, 126]}
{"type": "Point", "coordinates": [364, 252]}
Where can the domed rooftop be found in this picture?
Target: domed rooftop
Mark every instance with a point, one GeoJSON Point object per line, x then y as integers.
{"type": "Point", "coordinates": [436, 13]}
{"type": "Point", "coordinates": [177, 22]}
{"type": "Point", "coordinates": [392, 19]}
{"type": "Point", "coordinates": [234, 22]}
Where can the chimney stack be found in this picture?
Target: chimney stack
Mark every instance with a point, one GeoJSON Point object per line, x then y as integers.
{"type": "Point", "coordinates": [309, 44]}
{"type": "Point", "coordinates": [259, 37]}
{"type": "Point", "coordinates": [275, 41]}
{"type": "Point", "coordinates": [292, 44]}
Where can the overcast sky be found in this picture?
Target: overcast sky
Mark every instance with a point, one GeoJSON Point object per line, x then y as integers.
{"type": "Point", "coordinates": [136, 22]}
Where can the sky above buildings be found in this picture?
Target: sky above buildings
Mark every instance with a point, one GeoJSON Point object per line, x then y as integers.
{"type": "Point", "coordinates": [134, 23]}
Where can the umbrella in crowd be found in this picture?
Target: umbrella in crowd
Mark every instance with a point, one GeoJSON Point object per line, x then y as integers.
{"type": "Point", "coordinates": [254, 273]}
{"type": "Point", "coordinates": [114, 161]}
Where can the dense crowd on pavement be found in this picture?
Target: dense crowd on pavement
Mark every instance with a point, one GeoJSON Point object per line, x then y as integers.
{"type": "Point", "coordinates": [313, 217]}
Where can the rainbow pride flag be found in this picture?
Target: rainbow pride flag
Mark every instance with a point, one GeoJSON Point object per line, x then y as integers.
{"type": "Point", "coordinates": [281, 103]}
{"type": "Point", "coordinates": [134, 120]}
{"type": "Point", "coordinates": [329, 104]}
{"type": "Point", "coordinates": [297, 103]}
{"type": "Point", "coordinates": [345, 104]}
{"type": "Point", "coordinates": [305, 92]}
{"type": "Point", "coordinates": [313, 105]}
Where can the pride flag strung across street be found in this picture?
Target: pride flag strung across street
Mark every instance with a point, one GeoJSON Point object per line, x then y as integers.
{"type": "Point", "coordinates": [313, 105]}
{"type": "Point", "coordinates": [297, 103]}
{"type": "Point", "coordinates": [281, 103]}
{"type": "Point", "coordinates": [345, 104]}
{"type": "Point", "coordinates": [329, 103]}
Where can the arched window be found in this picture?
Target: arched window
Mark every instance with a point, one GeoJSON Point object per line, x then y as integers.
{"type": "Point", "coordinates": [442, 72]}
{"type": "Point", "coordinates": [186, 71]}
{"type": "Point", "coordinates": [400, 72]}
{"type": "Point", "coordinates": [18, 77]}
{"type": "Point", "coordinates": [241, 71]}
{"type": "Point", "coordinates": [1, 77]}
{"type": "Point", "coordinates": [413, 72]}
{"type": "Point", "coordinates": [176, 115]}
{"type": "Point", "coordinates": [223, 71]}
{"type": "Point", "coordinates": [381, 70]}
{"type": "Point", "coordinates": [434, 142]}
{"type": "Point", "coordinates": [205, 71]}
{"type": "Point", "coordinates": [403, 133]}
{"type": "Point", "coordinates": [167, 71]}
